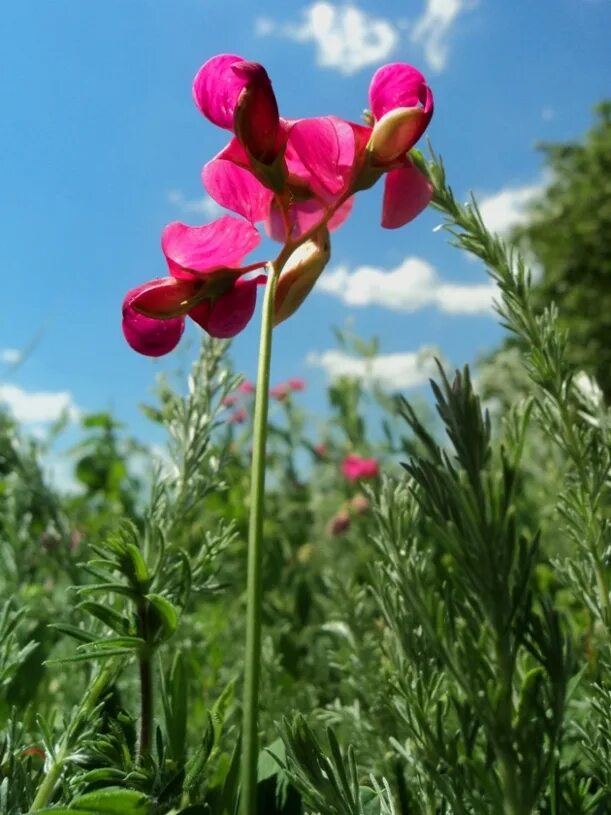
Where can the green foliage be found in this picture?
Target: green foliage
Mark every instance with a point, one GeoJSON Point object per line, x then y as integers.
{"type": "Point", "coordinates": [436, 642]}
{"type": "Point", "coordinates": [568, 235]}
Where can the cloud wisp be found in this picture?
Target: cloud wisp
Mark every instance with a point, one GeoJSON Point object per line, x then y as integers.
{"type": "Point", "coordinates": [346, 38]}
{"type": "Point", "coordinates": [433, 29]}
{"type": "Point", "coordinates": [36, 407]}
{"type": "Point", "coordinates": [508, 207]}
{"type": "Point", "coordinates": [204, 206]}
{"type": "Point", "coordinates": [413, 285]}
{"type": "Point", "coordinates": [10, 356]}
{"type": "Point", "coordinates": [392, 371]}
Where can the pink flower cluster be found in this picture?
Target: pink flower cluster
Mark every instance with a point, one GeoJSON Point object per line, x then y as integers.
{"type": "Point", "coordinates": [233, 400]}
{"type": "Point", "coordinates": [281, 391]}
{"type": "Point", "coordinates": [355, 468]}
{"type": "Point", "coordinates": [296, 177]}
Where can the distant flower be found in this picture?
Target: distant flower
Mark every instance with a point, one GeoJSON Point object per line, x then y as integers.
{"type": "Point", "coordinates": [246, 387]}
{"type": "Point", "coordinates": [354, 467]}
{"type": "Point", "coordinates": [296, 383]}
{"type": "Point", "coordinates": [238, 416]}
{"type": "Point", "coordinates": [229, 400]}
{"type": "Point", "coordinates": [360, 503]}
{"type": "Point", "coordinates": [338, 524]}
{"type": "Point", "coordinates": [279, 392]}
{"type": "Point", "coordinates": [320, 449]}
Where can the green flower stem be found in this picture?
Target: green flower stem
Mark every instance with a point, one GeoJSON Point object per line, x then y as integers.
{"type": "Point", "coordinates": [90, 700]}
{"type": "Point", "coordinates": [252, 668]}
{"type": "Point", "coordinates": [145, 669]}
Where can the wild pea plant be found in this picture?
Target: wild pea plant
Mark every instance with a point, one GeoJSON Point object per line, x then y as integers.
{"type": "Point", "coordinates": [449, 673]}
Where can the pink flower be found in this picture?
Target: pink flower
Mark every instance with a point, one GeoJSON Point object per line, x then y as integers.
{"type": "Point", "coordinates": [246, 387]}
{"type": "Point", "coordinates": [207, 284]}
{"type": "Point", "coordinates": [290, 174]}
{"type": "Point", "coordinates": [320, 449]}
{"type": "Point", "coordinates": [238, 416]}
{"type": "Point", "coordinates": [230, 400]}
{"type": "Point", "coordinates": [279, 392]}
{"type": "Point", "coordinates": [237, 95]}
{"type": "Point", "coordinates": [296, 384]}
{"type": "Point", "coordinates": [401, 108]}
{"type": "Point", "coordinates": [354, 467]}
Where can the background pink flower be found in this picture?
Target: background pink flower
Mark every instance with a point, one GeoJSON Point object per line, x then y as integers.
{"type": "Point", "coordinates": [355, 467]}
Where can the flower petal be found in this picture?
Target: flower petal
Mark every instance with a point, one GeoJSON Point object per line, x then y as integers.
{"type": "Point", "coordinates": [196, 250]}
{"type": "Point", "coordinates": [164, 297]}
{"type": "Point", "coordinates": [256, 118]}
{"type": "Point", "coordinates": [321, 152]}
{"type": "Point", "coordinates": [236, 188]}
{"type": "Point", "coordinates": [399, 85]}
{"type": "Point", "coordinates": [406, 193]}
{"type": "Point", "coordinates": [340, 214]}
{"type": "Point", "coordinates": [146, 335]}
{"type": "Point", "coordinates": [216, 88]}
{"type": "Point", "coordinates": [232, 311]}
{"type": "Point", "coordinates": [304, 216]}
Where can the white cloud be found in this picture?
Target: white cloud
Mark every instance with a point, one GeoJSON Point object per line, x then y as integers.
{"type": "Point", "coordinates": [11, 356]}
{"type": "Point", "coordinates": [205, 205]}
{"type": "Point", "coordinates": [37, 406]}
{"type": "Point", "coordinates": [508, 207]}
{"type": "Point", "coordinates": [413, 285]}
{"type": "Point", "coordinates": [433, 29]}
{"type": "Point", "coordinates": [393, 371]}
{"type": "Point", "coordinates": [346, 38]}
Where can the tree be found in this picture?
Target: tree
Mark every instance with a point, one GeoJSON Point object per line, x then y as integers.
{"type": "Point", "coordinates": [569, 236]}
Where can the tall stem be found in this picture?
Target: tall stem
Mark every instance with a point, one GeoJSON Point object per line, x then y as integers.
{"type": "Point", "coordinates": [145, 666]}
{"type": "Point", "coordinates": [252, 668]}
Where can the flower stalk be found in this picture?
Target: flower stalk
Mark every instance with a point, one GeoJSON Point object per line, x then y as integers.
{"type": "Point", "coordinates": [252, 666]}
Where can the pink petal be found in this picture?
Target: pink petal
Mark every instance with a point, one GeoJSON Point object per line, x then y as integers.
{"type": "Point", "coordinates": [236, 188]}
{"type": "Point", "coordinates": [256, 119]}
{"type": "Point", "coordinates": [231, 312]}
{"type": "Point", "coordinates": [216, 88]}
{"type": "Point", "coordinates": [196, 250]}
{"type": "Point", "coordinates": [146, 335]}
{"type": "Point", "coordinates": [164, 297]}
{"type": "Point", "coordinates": [321, 151]}
{"type": "Point", "coordinates": [340, 214]}
{"type": "Point", "coordinates": [406, 193]}
{"type": "Point", "coordinates": [399, 85]}
{"type": "Point", "coordinates": [304, 216]}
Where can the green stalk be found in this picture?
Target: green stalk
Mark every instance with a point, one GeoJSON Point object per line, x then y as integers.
{"type": "Point", "coordinates": [90, 700]}
{"type": "Point", "coordinates": [252, 668]}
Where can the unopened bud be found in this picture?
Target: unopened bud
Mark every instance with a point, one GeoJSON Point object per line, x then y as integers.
{"type": "Point", "coordinates": [256, 119]}
{"type": "Point", "coordinates": [300, 273]}
{"type": "Point", "coordinates": [338, 524]}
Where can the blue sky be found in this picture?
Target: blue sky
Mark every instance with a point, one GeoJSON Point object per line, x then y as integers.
{"type": "Point", "coordinates": [101, 145]}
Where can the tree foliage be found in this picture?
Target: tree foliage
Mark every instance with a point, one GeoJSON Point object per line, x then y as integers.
{"type": "Point", "coordinates": [569, 236]}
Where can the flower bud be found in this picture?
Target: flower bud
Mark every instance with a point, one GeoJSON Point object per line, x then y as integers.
{"type": "Point", "coordinates": [394, 134]}
{"type": "Point", "coordinates": [338, 524]}
{"type": "Point", "coordinates": [359, 504]}
{"type": "Point", "coordinates": [256, 119]}
{"type": "Point", "coordinates": [300, 273]}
